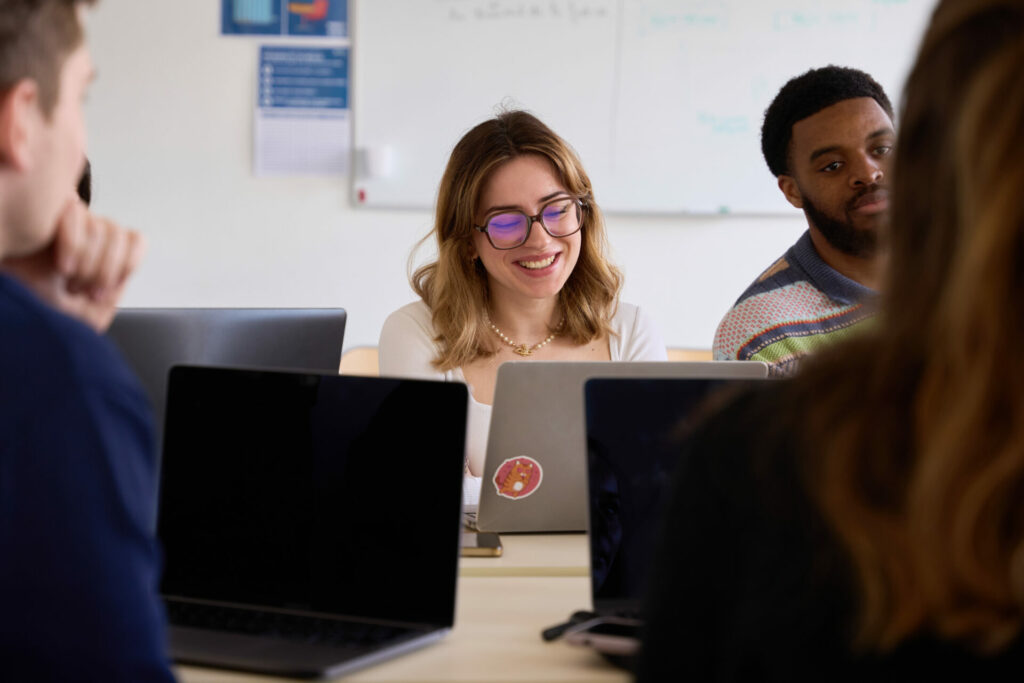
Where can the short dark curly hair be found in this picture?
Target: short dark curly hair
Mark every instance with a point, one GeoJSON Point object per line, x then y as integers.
{"type": "Point", "coordinates": [806, 95]}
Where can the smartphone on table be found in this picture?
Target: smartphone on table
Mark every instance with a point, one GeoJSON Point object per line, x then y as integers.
{"type": "Point", "coordinates": [481, 544]}
{"type": "Point", "coordinates": [610, 635]}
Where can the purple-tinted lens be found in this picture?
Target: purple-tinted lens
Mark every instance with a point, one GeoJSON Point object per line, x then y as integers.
{"type": "Point", "coordinates": [560, 217]}
{"type": "Point", "coordinates": [507, 229]}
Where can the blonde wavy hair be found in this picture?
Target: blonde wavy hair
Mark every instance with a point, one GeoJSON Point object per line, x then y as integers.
{"type": "Point", "coordinates": [916, 452]}
{"type": "Point", "coordinates": [455, 286]}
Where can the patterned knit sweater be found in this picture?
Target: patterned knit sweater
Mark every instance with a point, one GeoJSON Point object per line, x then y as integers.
{"type": "Point", "coordinates": [798, 305]}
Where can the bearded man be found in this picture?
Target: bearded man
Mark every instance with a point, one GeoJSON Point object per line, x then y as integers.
{"type": "Point", "coordinates": [828, 138]}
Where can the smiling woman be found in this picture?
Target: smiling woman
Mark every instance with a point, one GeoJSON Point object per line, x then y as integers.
{"type": "Point", "coordinates": [521, 272]}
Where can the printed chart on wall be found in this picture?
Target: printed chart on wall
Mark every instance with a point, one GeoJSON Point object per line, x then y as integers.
{"type": "Point", "coordinates": [662, 99]}
{"type": "Point", "coordinates": [285, 17]}
{"type": "Point", "coordinates": [302, 122]}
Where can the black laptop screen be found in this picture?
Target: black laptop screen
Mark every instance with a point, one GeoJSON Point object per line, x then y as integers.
{"type": "Point", "coordinates": [311, 492]}
{"type": "Point", "coordinates": [635, 430]}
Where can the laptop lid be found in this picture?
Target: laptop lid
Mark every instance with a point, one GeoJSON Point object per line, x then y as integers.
{"type": "Point", "coordinates": [319, 495]}
{"type": "Point", "coordinates": [635, 432]}
{"type": "Point", "coordinates": [535, 471]}
{"type": "Point", "coordinates": [154, 339]}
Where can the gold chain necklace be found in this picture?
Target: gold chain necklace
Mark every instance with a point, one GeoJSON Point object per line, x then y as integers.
{"type": "Point", "coordinates": [524, 349]}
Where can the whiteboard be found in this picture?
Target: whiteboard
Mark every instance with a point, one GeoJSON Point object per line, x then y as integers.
{"type": "Point", "coordinates": [662, 99]}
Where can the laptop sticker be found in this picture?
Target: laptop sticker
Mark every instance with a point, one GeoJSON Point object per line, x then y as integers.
{"type": "Point", "coordinates": [518, 477]}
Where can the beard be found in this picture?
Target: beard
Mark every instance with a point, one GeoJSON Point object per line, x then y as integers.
{"type": "Point", "coordinates": [842, 234]}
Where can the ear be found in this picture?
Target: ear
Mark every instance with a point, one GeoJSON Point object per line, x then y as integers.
{"type": "Point", "coordinates": [790, 191]}
{"type": "Point", "coordinates": [19, 114]}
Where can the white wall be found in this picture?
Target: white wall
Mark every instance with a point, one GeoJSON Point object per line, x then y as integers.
{"type": "Point", "coordinates": [170, 122]}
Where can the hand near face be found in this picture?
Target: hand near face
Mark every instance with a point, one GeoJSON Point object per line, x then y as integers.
{"type": "Point", "coordinates": [82, 272]}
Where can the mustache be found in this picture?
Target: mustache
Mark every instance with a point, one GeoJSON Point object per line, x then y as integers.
{"type": "Point", "coordinates": [867, 189]}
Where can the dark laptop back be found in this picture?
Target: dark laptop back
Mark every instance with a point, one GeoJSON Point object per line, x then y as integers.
{"type": "Point", "coordinates": [308, 495]}
{"type": "Point", "coordinates": [635, 430]}
{"type": "Point", "coordinates": [154, 339]}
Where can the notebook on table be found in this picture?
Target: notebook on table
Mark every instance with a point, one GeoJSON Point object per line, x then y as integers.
{"type": "Point", "coordinates": [279, 557]}
{"type": "Point", "coordinates": [534, 476]}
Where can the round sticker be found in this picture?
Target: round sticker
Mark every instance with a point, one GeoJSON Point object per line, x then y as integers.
{"type": "Point", "coordinates": [518, 477]}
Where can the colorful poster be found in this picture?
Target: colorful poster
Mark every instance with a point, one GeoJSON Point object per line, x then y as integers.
{"type": "Point", "coordinates": [302, 120]}
{"type": "Point", "coordinates": [317, 18]}
{"type": "Point", "coordinates": [251, 17]}
{"type": "Point", "coordinates": [324, 18]}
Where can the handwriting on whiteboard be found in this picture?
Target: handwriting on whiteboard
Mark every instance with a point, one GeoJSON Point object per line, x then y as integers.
{"type": "Point", "coordinates": [504, 10]}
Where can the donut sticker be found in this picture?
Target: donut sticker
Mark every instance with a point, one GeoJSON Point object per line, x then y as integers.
{"type": "Point", "coordinates": [518, 477]}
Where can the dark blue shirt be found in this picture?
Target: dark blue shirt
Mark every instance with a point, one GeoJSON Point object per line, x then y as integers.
{"type": "Point", "coordinates": [79, 565]}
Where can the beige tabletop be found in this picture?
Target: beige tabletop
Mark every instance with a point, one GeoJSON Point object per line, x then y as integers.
{"type": "Point", "coordinates": [496, 638]}
{"type": "Point", "coordinates": [533, 555]}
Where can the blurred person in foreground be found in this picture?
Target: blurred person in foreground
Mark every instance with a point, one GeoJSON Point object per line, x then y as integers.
{"type": "Point", "coordinates": [874, 528]}
{"type": "Point", "coordinates": [79, 564]}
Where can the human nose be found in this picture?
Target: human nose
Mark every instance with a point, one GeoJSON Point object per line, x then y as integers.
{"type": "Point", "coordinates": [536, 232]}
{"type": "Point", "coordinates": [868, 172]}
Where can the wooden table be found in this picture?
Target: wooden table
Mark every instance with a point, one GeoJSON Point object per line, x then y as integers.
{"type": "Point", "coordinates": [534, 555]}
{"type": "Point", "coordinates": [496, 638]}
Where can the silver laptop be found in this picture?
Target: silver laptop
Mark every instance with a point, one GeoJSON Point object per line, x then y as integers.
{"type": "Point", "coordinates": [272, 560]}
{"type": "Point", "coordinates": [154, 339]}
{"type": "Point", "coordinates": [534, 477]}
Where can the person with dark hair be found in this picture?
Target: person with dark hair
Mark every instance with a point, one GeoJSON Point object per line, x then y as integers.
{"type": "Point", "coordinates": [79, 562]}
{"type": "Point", "coordinates": [84, 187]}
{"type": "Point", "coordinates": [827, 137]}
{"type": "Point", "coordinates": [873, 530]}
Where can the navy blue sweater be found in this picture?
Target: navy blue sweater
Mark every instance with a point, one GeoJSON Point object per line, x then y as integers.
{"type": "Point", "coordinates": [79, 565]}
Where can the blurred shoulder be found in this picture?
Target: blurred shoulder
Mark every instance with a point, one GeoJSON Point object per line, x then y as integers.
{"type": "Point", "coordinates": [636, 336]}
{"type": "Point", "coordinates": [43, 349]}
{"type": "Point", "coordinates": [407, 345]}
{"type": "Point", "coordinates": [413, 319]}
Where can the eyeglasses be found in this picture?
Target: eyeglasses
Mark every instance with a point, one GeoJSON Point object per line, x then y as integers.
{"type": "Point", "coordinates": [560, 217]}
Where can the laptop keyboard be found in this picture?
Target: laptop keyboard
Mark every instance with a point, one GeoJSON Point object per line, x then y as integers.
{"type": "Point", "coordinates": [305, 629]}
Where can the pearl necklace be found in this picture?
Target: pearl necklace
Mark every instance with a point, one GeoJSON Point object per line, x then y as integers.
{"type": "Point", "coordinates": [524, 349]}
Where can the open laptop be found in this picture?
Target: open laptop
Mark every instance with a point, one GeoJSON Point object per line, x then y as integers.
{"type": "Point", "coordinates": [279, 557]}
{"type": "Point", "coordinates": [154, 339]}
{"type": "Point", "coordinates": [635, 431]}
{"type": "Point", "coordinates": [534, 476]}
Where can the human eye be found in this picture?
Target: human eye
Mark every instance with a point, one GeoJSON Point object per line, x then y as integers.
{"type": "Point", "coordinates": [558, 209]}
{"type": "Point", "coordinates": [505, 222]}
{"type": "Point", "coordinates": [883, 150]}
{"type": "Point", "coordinates": [831, 168]}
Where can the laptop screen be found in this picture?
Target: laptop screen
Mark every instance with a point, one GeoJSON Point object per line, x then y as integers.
{"type": "Point", "coordinates": [154, 339]}
{"type": "Point", "coordinates": [635, 430]}
{"type": "Point", "coordinates": [320, 493]}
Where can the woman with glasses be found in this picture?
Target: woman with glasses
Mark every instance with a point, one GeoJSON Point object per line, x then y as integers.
{"type": "Point", "coordinates": [864, 521]}
{"type": "Point", "coordinates": [521, 272]}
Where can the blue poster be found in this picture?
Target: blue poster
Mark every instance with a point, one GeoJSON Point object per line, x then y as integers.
{"type": "Point", "coordinates": [285, 17]}
{"type": "Point", "coordinates": [302, 123]}
{"type": "Point", "coordinates": [317, 18]}
{"type": "Point", "coordinates": [303, 78]}
{"type": "Point", "coordinates": [251, 17]}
